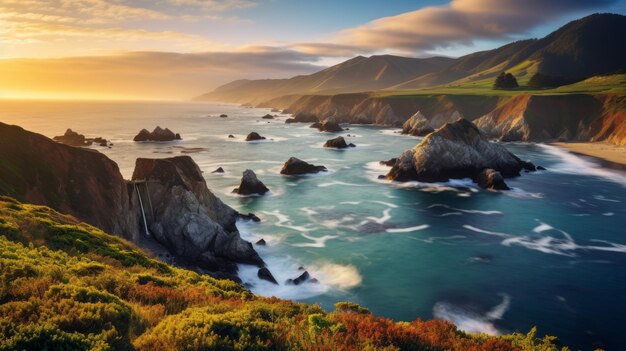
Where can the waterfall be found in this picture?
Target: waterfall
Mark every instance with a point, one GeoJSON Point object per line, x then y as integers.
{"type": "Point", "coordinates": [143, 213]}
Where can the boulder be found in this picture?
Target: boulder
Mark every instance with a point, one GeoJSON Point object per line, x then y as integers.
{"type": "Point", "coordinates": [230, 136]}
{"type": "Point", "coordinates": [327, 126]}
{"type": "Point", "coordinates": [223, 115]}
{"type": "Point", "coordinates": [338, 143]}
{"type": "Point", "coordinates": [491, 179]}
{"type": "Point", "coordinates": [250, 184]}
{"type": "Point", "coordinates": [218, 170]}
{"type": "Point", "coordinates": [268, 116]}
{"type": "Point", "coordinates": [261, 242]}
{"type": "Point", "coordinates": [303, 278]}
{"type": "Point", "coordinates": [456, 150]}
{"type": "Point", "coordinates": [295, 166]}
{"type": "Point", "coordinates": [158, 134]}
{"type": "Point", "coordinates": [417, 125]}
{"type": "Point", "coordinates": [265, 274]}
{"type": "Point", "coordinates": [254, 136]}
{"type": "Point", "coordinates": [185, 217]}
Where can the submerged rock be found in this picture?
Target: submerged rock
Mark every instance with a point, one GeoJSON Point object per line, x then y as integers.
{"type": "Point", "coordinates": [254, 136]}
{"type": "Point", "coordinates": [295, 166]}
{"type": "Point", "coordinates": [223, 115]}
{"type": "Point", "coordinates": [268, 116]}
{"type": "Point", "coordinates": [158, 134]}
{"type": "Point", "coordinates": [541, 168]}
{"type": "Point", "coordinates": [218, 170]}
{"type": "Point", "coordinates": [456, 150]}
{"type": "Point", "coordinates": [265, 274]}
{"type": "Point", "coordinates": [250, 184]}
{"type": "Point", "coordinates": [261, 242]}
{"type": "Point", "coordinates": [230, 136]}
{"type": "Point", "coordinates": [188, 219]}
{"type": "Point", "coordinates": [417, 125]}
{"type": "Point", "coordinates": [338, 143]}
{"type": "Point", "coordinates": [249, 217]}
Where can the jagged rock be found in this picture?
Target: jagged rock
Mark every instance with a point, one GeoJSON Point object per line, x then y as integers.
{"type": "Point", "coordinates": [190, 221]}
{"type": "Point", "coordinates": [158, 134]}
{"type": "Point", "coordinates": [303, 278]}
{"type": "Point", "coordinates": [389, 163]}
{"type": "Point", "coordinates": [302, 118]}
{"type": "Point", "coordinates": [268, 116]}
{"type": "Point", "coordinates": [327, 126]}
{"type": "Point", "coordinates": [541, 168]}
{"type": "Point", "coordinates": [528, 166]}
{"type": "Point", "coordinates": [75, 139]}
{"type": "Point", "coordinates": [223, 115]}
{"type": "Point", "coordinates": [218, 170]}
{"type": "Point", "coordinates": [261, 242]}
{"type": "Point", "coordinates": [265, 274]}
{"type": "Point", "coordinates": [417, 125]}
{"type": "Point", "coordinates": [295, 166]}
{"type": "Point", "coordinates": [231, 136]}
{"type": "Point", "coordinates": [456, 150]}
{"type": "Point", "coordinates": [338, 143]}
{"type": "Point", "coordinates": [249, 217]}
{"type": "Point", "coordinates": [254, 136]}
{"type": "Point", "coordinates": [250, 184]}
{"type": "Point", "coordinates": [491, 179]}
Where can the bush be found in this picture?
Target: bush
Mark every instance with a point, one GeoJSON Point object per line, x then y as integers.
{"type": "Point", "coordinates": [505, 81]}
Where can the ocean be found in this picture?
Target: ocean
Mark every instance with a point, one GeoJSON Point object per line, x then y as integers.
{"type": "Point", "coordinates": [549, 253]}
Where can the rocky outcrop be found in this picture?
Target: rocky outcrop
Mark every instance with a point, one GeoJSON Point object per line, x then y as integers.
{"type": "Point", "coordinates": [491, 179]}
{"type": "Point", "coordinates": [295, 166]}
{"type": "Point", "coordinates": [457, 150]}
{"type": "Point", "coordinates": [254, 136]}
{"type": "Point", "coordinates": [72, 138]}
{"type": "Point", "coordinates": [250, 185]}
{"type": "Point", "coordinates": [303, 278]}
{"type": "Point", "coordinates": [218, 170]}
{"type": "Point", "coordinates": [338, 143]}
{"type": "Point", "coordinates": [188, 219]}
{"type": "Point", "coordinates": [265, 274]}
{"type": "Point", "coordinates": [80, 182]}
{"type": "Point", "coordinates": [328, 125]}
{"type": "Point", "coordinates": [261, 242]}
{"type": "Point", "coordinates": [389, 163]}
{"type": "Point", "coordinates": [158, 134]}
{"type": "Point", "coordinates": [302, 118]}
{"type": "Point", "coordinates": [417, 125]}
{"type": "Point", "coordinates": [223, 115]}
{"type": "Point", "coordinates": [268, 116]}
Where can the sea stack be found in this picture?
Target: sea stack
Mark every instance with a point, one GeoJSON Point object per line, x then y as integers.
{"type": "Point", "coordinates": [250, 184]}
{"type": "Point", "coordinates": [295, 166]}
{"type": "Point", "coordinates": [158, 134]}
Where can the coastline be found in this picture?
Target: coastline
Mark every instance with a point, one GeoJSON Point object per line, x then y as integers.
{"type": "Point", "coordinates": [609, 155]}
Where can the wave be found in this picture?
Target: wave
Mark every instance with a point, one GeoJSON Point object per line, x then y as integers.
{"type": "Point", "coordinates": [574, 164]}
{"type": "Point", "coordinates": [316, 242]}
{"type": "Point", "coordinates": [565, 245]}
{"type": "Point", "coordinates": [488, 213]}
{"type": "Point", "coordinates": [338, 182]}
{"type": "Point", "coordinates": [408, 230]}
{"type": "Point", "coordinates": [285, 222]}
{"type": "Point", "coordinates": [472, 321]}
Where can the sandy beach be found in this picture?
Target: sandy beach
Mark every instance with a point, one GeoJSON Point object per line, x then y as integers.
{"type": "Point", "coordinates": [613, 155]}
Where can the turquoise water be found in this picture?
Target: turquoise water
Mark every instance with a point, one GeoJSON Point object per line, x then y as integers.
{"type": "Point", "coordinates": [550, 253]}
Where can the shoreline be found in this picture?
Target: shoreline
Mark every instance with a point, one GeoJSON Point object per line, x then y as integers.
{"type": "Point", "coordinates": [608, 155]}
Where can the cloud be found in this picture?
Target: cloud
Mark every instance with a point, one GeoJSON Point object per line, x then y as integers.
{"type": "Point", "coordinates": [458, 23]}
{"type": "Point", "coordinates": [148, 74]}
{"type": "Point", "coordinates": [216, 5]}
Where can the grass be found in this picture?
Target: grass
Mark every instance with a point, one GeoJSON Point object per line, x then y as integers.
{"type": "Point", "coordinates": [65, 285]}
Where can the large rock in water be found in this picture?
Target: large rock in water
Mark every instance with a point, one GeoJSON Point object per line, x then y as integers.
{"type": "Point", "coordinates": [456, 150]}
{"type": "Point", "coordinates": [328, 125]}
{"type": "Point", "coordinates": [188, 219]}
{"type": "Point", "coordinates": [338, 143]}
{"type": "Point", "coordinates": [254, 136]}
{"type": "Point", "coordinates": [72, 138]}
{"type": "Point", "coordinates": [158, 134]}
{"type": "Point", "coordinates": [250, 184]}
{"type": "Point", "coordinates": [295, 166]}
{"type": "Point", "coordinates": [417, 125]}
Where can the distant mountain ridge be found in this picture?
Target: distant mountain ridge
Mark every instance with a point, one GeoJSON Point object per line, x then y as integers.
{"type": "Point", "coordinates": [580, 49]}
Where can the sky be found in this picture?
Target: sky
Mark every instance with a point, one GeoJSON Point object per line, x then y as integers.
{"type": "Point", "coordinates": [176, 49]}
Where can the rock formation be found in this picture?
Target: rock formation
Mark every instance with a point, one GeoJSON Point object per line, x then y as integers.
{"type": "Point", "coordinates": [389, 163]}
{"type": "Point", "coordinates": [268, 116]}
{"type": "Point", "coordinates": [295, 166]}
{"type": "Point", "coordinates": [491, 179]}
{"type": "Point", "coordinates": [456, 150]}
{"type": "Point", "coordinates": [223, 115]}
{"type": "Point", "coordinates": [303, 278]}
{"type": "Point", "coordinates": [254, 136]}
{"type": "Point", "coordinates": [158, 134]}
{"type": "Point", "coordinates": [218, 170]}
{"type": "Point", "coordinates": [74, 139]}
{"type": "Point", "coordinates": [250, 184]}
{"type": "Point", "coordinates": [417, 125]}
{"type": "Point", "coordinates": [186, 218]}
{"type": "Point", "coordinates": [338, 143]}
{"type": "Point", "coordinates": [265, 274]}
{"type": "Point", "coordinates": [302, 118]}
{"type": "Point", "coordinates": [261, 242]}
{"type": "Point", "coordinates": [327, 125]}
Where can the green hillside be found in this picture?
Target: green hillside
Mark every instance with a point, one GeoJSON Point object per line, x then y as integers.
{"type": "Point", "coordinates": [66, 285]}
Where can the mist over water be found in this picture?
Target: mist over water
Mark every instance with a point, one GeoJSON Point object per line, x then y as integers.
{"type": "Point", "coordinates": [550, 253]}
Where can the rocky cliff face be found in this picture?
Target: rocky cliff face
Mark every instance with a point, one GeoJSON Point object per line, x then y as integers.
{"type": "Point", "coordinates": [572, 117]}
{"type": "Point", "coordinates": [183, 216]}
{"type": "Point", "coordinates": [80, 182]}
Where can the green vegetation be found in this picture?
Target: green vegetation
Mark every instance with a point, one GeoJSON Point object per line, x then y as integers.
{"type": "Point", "coordinates": [505, 81]}
{"type": "Point", "coordinates": [68, 286]}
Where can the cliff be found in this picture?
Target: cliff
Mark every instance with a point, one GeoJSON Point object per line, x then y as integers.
{"type": "Point", "coordinates": [187, 224]}
{"type": "Point", "coordinates": [524, 117]}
